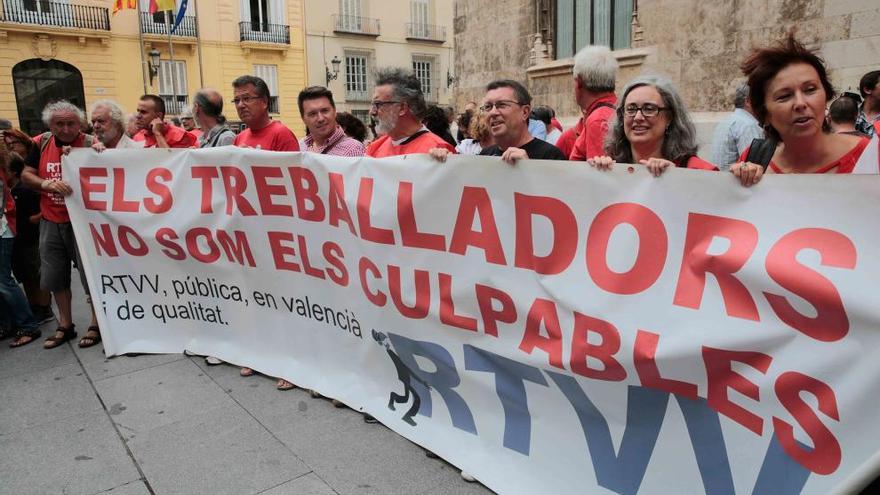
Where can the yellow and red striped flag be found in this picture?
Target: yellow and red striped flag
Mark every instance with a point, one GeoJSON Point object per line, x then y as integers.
{"type": "Point", "coordinates": [123, 4]}
{"type": "Point", "coordinates": [162, 5]}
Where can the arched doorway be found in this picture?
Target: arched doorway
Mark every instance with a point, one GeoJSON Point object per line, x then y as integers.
{"type": "Point", "coordinates": [38, 82]}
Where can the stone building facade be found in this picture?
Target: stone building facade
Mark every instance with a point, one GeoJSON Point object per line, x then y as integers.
{"type": "Point", "coordinates": [697, 44]}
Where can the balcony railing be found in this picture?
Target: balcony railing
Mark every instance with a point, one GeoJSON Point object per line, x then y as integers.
{"type": "Point", "coordinates": [425, 32]}
{"type": "Point", "coordinates": [355, 25]}
{"type": "Point", "coordinates": [175, 105]}
{"type": "Point", "coordinates": [358, 95]}
{"type": "Point", "coordinates": [155, 24]}
{"type": "Point", "coordinates": [264, 32]}
{"type": "Point", "coordinates": [59, 14]}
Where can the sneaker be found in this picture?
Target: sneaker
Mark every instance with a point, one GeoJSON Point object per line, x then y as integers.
{"type": "Point", "coordinates": [467, 477]}
{"type": "Point", "coordinates": [212, 361]}
{"type": "Point", "coordinates": [188, 353]}
{"type": "Point", "coordinates": [369, 419]}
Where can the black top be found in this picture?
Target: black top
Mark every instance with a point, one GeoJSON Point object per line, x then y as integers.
{"type": "Point", "coordinates": [536, 149]}
{"type": "Point", "coordinates": [27, 203]}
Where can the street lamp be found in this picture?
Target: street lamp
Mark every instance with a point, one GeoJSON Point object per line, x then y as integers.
{"type": "Point", "coordinates": [331, 76]}
{"type": "Point", "coordinates": [153, 64]}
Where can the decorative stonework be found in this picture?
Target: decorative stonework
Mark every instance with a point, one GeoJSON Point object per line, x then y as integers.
{"type": "Point", "coordinates": [44, 47]}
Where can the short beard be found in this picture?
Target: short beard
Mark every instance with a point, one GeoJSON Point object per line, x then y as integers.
{"type": "Point", "coordinates": [107, 137]}
{"type": "Point", "coordinates": [384, 126]}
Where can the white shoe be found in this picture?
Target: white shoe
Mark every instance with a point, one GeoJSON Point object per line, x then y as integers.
{"type": "Point", "coordinates": [467, 477]}
{"type": "Point", "coordinates": [212, 361]}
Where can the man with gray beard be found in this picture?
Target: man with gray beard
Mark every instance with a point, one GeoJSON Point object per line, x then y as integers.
{"type": "Point", "coordinates": [398, 107]}
{"type": "Point", "coordinates": [108, 122]}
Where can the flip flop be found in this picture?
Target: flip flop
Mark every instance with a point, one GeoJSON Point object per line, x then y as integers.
{"type": "Point", "coordinates": [30, 338]}
{"type": "Point", "coordinates": [92, 340]}
{"type": "Point", "coordinates": [54, 341]}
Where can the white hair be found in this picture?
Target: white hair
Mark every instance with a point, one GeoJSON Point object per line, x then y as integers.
{"type": "Point", "coordinates": [596, 67]}
{"type": "Point", "coordinates": [117, 115]}
{"type": "Point", "coordinates": [62, 106]}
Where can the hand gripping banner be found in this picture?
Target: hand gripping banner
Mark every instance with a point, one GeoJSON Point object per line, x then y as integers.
{"type": "Point", "coordinates": [547, 327]}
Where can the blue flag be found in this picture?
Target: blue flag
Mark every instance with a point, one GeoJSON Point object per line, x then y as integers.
{"type": "Point", "coordinates": [180, 14]}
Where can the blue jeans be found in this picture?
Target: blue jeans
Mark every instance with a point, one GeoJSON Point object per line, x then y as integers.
{"type": "Point", "coordinates": [15, 312]}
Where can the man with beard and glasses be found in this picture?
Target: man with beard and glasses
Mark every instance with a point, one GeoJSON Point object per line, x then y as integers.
{"type": "Point", "coordinates": [398, 107]}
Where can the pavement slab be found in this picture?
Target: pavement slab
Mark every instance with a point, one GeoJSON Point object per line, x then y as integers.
{"type": "Point", "coordinates": [134, 488]}
{"type": "Point", "coordinates": [32, 357]}
{"type": "Point", "coordinates": [46, 396]}
{"type": "Point", "coordinates": [79, 454]}
{"type": "Point", "coordinates": [104, 367]}
{"type": "Point", "coordinates": [219, 450]}
{"type": "Point", "coordinates": [143, 400]}
{"type": "Point", "coordinates": [307, 484]}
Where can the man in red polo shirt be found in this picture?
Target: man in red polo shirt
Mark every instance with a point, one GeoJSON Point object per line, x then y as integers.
{"type": "Point", "coordinates": [595, 73]}
{"type": "Point", "coordinates": [154, 132]}
{"type": "Point", "coordinates": [57, 243]}
{"type": "Point", "coordinates": [251, 100]}
{"type": "Point", "coordinates": [398, 107]}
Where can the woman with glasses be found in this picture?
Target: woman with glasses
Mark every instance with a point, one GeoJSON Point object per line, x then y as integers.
{"type": "Point", "coordinates": [790, 88]}
{"type": "Point", "coordinates": [652, 127]}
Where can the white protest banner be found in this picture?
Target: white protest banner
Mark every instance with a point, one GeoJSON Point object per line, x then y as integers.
{"type": "Point", "coordinates": [547, 327]}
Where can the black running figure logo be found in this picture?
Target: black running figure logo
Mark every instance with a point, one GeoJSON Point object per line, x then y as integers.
{"type": "Point", "coordinates": [404, 374]}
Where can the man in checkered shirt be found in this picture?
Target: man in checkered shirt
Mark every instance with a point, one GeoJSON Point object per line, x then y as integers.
{"type": "Point", "coordinates": [325, 136]}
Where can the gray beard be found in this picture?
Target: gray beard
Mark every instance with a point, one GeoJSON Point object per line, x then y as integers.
{"type": "Point", "coordinates": [384, 127]}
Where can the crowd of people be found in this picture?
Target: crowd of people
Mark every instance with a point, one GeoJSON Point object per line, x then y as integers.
{"type": "Point", "coordinates": [787, 119]}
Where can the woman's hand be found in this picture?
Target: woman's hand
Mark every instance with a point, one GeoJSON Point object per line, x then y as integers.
{"type": "Point", "coordinates": [601, 162]}
{"type": "Point", "coordinates": [657, 165]}
{"type": "Point", "coordinates": [748, 173]}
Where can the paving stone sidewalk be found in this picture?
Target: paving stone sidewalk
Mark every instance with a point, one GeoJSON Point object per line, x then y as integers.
{"type": "Point", "coordinates": [75, 422]}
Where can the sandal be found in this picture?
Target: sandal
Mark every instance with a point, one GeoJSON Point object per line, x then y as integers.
{"type": "Point", "coordinates": [25, 339]}
{"type": "Point", "coordinates": [246, 372]}
{"type": "Point", "coordinates": [56, 340]}
{"type": "Point", "coordinates": [284, 385]}
{"type": "Point", "coordinates": [90, 340]}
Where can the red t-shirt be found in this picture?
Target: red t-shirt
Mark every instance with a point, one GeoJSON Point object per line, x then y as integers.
{"type": "Point", "coordinates": [591, 141]}
{"type": "Point", "coordinates": [52, 205]}
{"type": "Point", "coordinates": [176, 137]}
{"type": "Point", "coordinates": [566, 141]}
{"type": "Point", "coordinates": [698, 163]}
{"type": "Point", "coordinates": [196, 132]}
{"type": "Point", "coordinates": [843, 165]}
{"type": "Point", "coordinates": [274, 137]}
{"type": "Point", "coordinates": [421, 143]}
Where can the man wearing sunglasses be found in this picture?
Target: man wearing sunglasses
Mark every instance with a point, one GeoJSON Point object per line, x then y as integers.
{"type": "Point", "coordinates": [507, 106]}
{"type": "Point", "coordinates": [398, 107]}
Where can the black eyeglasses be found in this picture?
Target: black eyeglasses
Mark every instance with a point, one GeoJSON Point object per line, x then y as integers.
{"type": "Point", "coordinates": [380, 104]}
{"type": "Point", "coordinates": [648, 110]}
{"type": "Point", "coordinates": [245, 99]}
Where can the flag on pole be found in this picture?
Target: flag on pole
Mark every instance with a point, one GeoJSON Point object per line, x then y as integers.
{"type": "Point", "coordinates": [161, 5]}
{"type": "Point", "coordinates": [123, 4]}
{"type": "Point", "coordinates": [180, 14]}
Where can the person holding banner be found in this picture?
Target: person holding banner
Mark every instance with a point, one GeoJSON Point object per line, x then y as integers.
{"type": "Point", "coordinates": [790, 89]}
{"type": "Point", "coordinates": [652, 127]}
{"type": "Point", "coordinates": [251, 100]}
{"type": "Point", "coordinates": [398, 107]}
{"type": "Point", "coordinates": [58, 249]}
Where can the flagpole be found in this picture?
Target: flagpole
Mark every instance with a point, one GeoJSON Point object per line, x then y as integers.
{"type": "Point", "coordinates": [168, 14]}
{"type": "Point", "coordinates": [144, 67]}
{"type": "Point", "coordinates": [199, 45]}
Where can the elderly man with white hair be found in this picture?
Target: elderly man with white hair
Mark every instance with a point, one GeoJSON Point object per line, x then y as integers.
{"type": "Point", "coordinates": [595, 75]}
{"type": "Point", "coordinates": [57, 243]}
{"type": "Point", "coordinates": [108, 123]}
